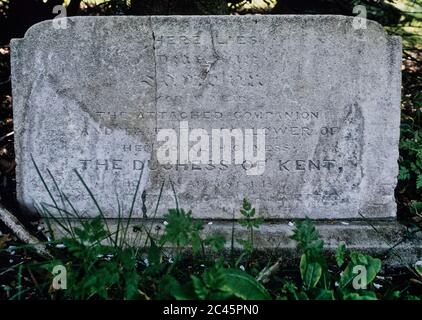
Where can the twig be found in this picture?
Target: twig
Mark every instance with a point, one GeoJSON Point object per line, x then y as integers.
{"type": "Point", "coordinates": [7, 135]}
{"type": "Point", "coordinates": [19, 230]}
{"type": "Point", "coordinates": [265, 275]}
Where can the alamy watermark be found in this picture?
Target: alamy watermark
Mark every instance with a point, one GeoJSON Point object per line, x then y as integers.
{"type": "Point", "coordinates": [359, 21]}
{"type": "Point", "coordinates": [217, 146]}
{"type": "Point", "coordinates": [59, 21]}
{"type": "Point", "coordinates": [60, 277]}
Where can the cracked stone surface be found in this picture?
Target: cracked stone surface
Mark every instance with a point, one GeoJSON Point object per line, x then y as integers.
{"type": "Point", "coordinates": [92, 98]}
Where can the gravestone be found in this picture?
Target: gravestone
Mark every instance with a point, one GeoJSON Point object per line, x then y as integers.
{"type": "Point", "coordinates": [322, 98]}
{"type": "Point", "coordinates": [300, 114]}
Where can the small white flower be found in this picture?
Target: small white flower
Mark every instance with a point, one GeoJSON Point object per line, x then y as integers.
{"type": "Point", "coordinates": [210, 223]}
{"type": "Point", "coordinates": [336, 284]}
{"type": "Point", "coordinates": [10, 261]}
{"type": "Point", "coordinates": [13, 252]}
{"type": "Point", "coordinates": [241, 267]}
{"type": "Point", "coordinates": [171, 260]}
{"type": "Point", "coordinates": [100, 256]}
{"type": "Point", "coordinates": [344, 223]}
{"type": "Point", "coordinates": [11, 248]}
{"type": "Point", "coordinates": [377, 286]}
{"type": "Point", "coordinates": [60, 246]}
{"type": "Point", "coordinates": [165, 223]}
{"type": "Point", "coordinates": [291, 224]}
{"type": "Point", "coordinates": [39, 228]}
{"type": "Point", "coordinates": [380, 277]}
{"type": "Point", "coordinates": [146, 262]}
{"type": "Point", "coordinates": [202, 265]}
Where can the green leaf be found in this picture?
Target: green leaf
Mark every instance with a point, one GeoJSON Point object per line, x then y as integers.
{"type": "Point", "coordinates": [419, 182]}
{"type": "Point", "coordinates": [201, 289]}
{"type": "Point", "coordinates": [246, 244]}
{"type": "Point", "coordinates": [131, 284]}
{"type": "Point", "coordinates": [392, 295]}
{"type": "Point", "coordinates": [404, 173]}
{"type": "Point", "coordinates": [216, 242]}
{"type": "Point", "coordinates": [244, 286]}
{"type": "Point", "coordinates": [307, 238]}
{"type": "Point", "coordinates": [418, 267]}
{"type": "Point", "coordinates": [415, 207]}
{"type": "Point", "coordinates": [358, 258]}
{"type": "Point", "coordinates": [324, 294]}
{"type": "Point", "coordinates": [340, 254]}
{"type": "Point", "coordinates": [169, 285]}
{"type": "Point", "coordinates": [347, 276]}
{"type": "Point", "coordinates": [154, 253]}
{"type": "Point", "coordinates": [310, 272]}
{"type": "Point", "coordinates": [372, 267]}
{"type": "Point", "coordinates": [181, 229]}
{"type": "Point", "coordinates": [246, 204]}
{"type": "Point", "coordinates": [364, 295]}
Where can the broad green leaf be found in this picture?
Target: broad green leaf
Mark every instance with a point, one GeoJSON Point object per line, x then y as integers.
{"type": "Point", "coordinates": [393, 295]}
{"type": "Point", "coordinates": [301, 296]}
{"type": "Point", "coordinates": [244, 286]}
{"type": "Point", "coordinates": [310, 272]}
{"type": "Point", "coordinates": [171, 286]}
{"type": "Point", "coordinates": [347, 276]}
{"type": "Point", "coordinates": [364, 295]}
{"type": "Point", "coordinates": [324, 294]}
{"type": "Point", "coordinates": [358, 258]}
{"type": "Point", "coordinates": [199, 287]}
{"type": "Point", "coordinates": [372, 267]}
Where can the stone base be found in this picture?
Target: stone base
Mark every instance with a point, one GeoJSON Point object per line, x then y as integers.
{"type": "Point", "coordinates": [389, 240]}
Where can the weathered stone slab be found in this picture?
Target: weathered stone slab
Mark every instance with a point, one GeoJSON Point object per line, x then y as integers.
{"type": "Point", "coordinates": [94, 97]}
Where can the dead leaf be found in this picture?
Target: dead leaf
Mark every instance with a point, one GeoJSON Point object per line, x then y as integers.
{"type": "Point", "coordinates": [4, 239]}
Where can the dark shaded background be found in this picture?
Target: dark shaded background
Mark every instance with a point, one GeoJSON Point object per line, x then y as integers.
{"type": "Point", "coordinates": [16, 16]}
